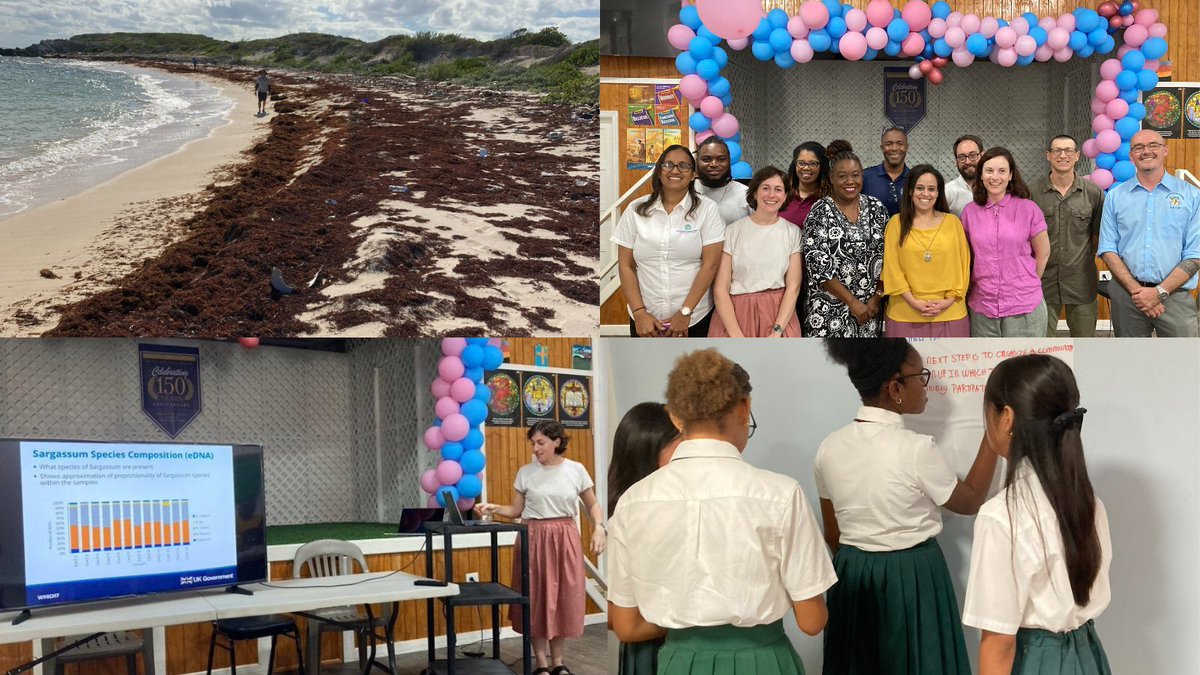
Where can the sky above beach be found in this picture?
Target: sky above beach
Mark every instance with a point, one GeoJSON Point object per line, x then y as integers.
{"type": "Point", "coordinates": [27, 22]}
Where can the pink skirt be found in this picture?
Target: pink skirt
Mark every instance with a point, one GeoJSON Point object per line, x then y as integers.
{"type": "Point", "coordinates": [931, 329]}
{"type": "Point", "coordinates": [556, 584]}
{"type": "Point", "coordinates": [755, 314]}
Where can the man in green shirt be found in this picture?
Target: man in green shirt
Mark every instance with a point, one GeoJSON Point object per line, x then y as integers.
{"type": "Point", "coordinates": [1072, 207]}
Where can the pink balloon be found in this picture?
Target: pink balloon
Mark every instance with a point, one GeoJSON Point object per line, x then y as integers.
{"type": "Point", "coordinates": [1107, 9]}
{"type": "Point", "coordinates": [956, 37]}
{"type": "Point", "coordinates": [1089, 148]}
{"type": "Point", "coordinates": [924, 67]}
{"type": "Point", "coordinates": [797, 28]}
{"type": "Point", "coordinates": [725, 126]}
{"type": "Point", "coordinates": [448, 472]}
{"type": "Point", "coordinates": [1063, 55]}
{"type": "Point", "coordinates": [434, 440]}
{"type": "Point", "coordinates": [1006, 37]}
{"type": "Point", "coordinates": [1020, 25]}
{"type": "Point", "coordinates": [692, 86]}
{"type": "Point", "coordinates": [1107, 90]}
{"type": "Point", "coordinates": [462, 390]}
{"type": "Point", "coordinates": [1127, 21]}
{"type": "Point", "coordinates": [970, 24]}
{"type": "Point", "coordinates": [703, 135]}
{"type": "Point", "coordinates": [456, 426]}
{"type": "Point", "coordinates": [738, 44]}
{"type": "Point", "coordinates": [1151, 66]}
{"type": "Point", "coordinates": [1058, 37]}
{"type": "Point", "coordinates": [1117, 108]}
{"type": "Point", "coordinates": [730, 18]}
{"type": "Point", "coordinates": [1123, 50]}
{"type": "Point", "coordinates": [451, 368]}
{"type": "Point", "coordinates": [916, 14]}
{"type": "Point", "coordinates": [680, 36]}
{"type": "Point", "coordinates": [1044, 53]}
{"type": "Point", "coordinates": [1102, 121]}
{"type": "Point", "coordinates": [877, 38]}
{"type": "Point", "coordinates": [1146, 17]}
{"type": "Point", "coordinates": [988, 26]}
{"type": "Point", "coordinates": [439, 388]}
{"type": "Point", "coordinates": [1067, 22]}
{"type": "Point", "coordinates": [914, 71]}
{"type": "Point", "coordinates": [429, 481]}
{"type": "Point", "coordinates": [1108, 140]}
{"type": "Point", "coordinates": [1158, 30]}
{"type": "Point", "coordinates": [1116, 21]}
{"type": "Point", "coordinates": [962, 58]}
{"type": "Point", "coordinates": [856, 20]}
{"type": "Point", "coordinates": [453, 346]}
{"type": "Point", "coordinates": [712, 107]}
{"type": "Point", "coordinates": [912, 45]}
{"type": "Point", "coordinates": [1098, 106]}
{"type": "Point", "coordinates": [954, 19]}
{"type": "Point", "coordinates": [432, 502]}
{"type": "Point", "coordinates": [1007, 57]}
{"type": "Point", "coordinates": [853, 46]}
{"type": "Point", "coordinates": [879, 13]}
{"type": "Point", "coordinates": [445, 407]}
{"type": "Point", "coordinates": [465, 505]}
{"type": "Point", "coordinates": [934, 77]}
{"type": "Point", "coordinates": [937, 28]}
{"type": "Point", "coordinates": [814, 14]}
{"type": "Point", "coordinates": [802, 51]}
{"type": "Point", "coordinates": [1026, 45]}
{"type": "Point", "coordinates": [1103, 178]}
{"type": "Point", "coordinates": [1110, 69]}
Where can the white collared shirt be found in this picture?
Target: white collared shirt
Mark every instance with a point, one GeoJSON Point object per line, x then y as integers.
{"type": "Point", "coordinates": [886, 483]}
{"type": "Point", "coordinates": [667, 249]}
{"type": "Point", "coordinates": [730, 199]}
{"type": "Point", "coordinates": [1018, 567]}
{"type": "Point", "coordinates": [709, 540]}
{"type": "Point", "coordinates": [958, 195]}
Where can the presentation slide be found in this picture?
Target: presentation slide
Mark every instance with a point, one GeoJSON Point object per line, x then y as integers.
{"type": "Point", "coordinates": [112, 519]}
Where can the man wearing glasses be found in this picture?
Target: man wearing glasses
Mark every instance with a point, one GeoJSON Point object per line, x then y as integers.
{"type": "Point", "coordinates": [885, 181]}
{"type": "Point", "coordinates": [1072, 207]}
{"type": "Point", "coordinates": [1150, 239]}
{"type": "Point", "coordinates": [960, 191]}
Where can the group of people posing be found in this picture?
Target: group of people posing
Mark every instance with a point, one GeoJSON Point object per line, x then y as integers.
{"type": "Point", "coordinates": [708, 554]}
{"type": "Point", "coordinates": [828, 248]}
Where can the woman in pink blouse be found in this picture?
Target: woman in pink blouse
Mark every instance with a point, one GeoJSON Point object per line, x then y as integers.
{"type": "Point", "coordinates": [1009, 249]}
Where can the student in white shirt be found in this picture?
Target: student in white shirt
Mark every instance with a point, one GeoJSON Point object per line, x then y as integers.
{"type": "Point", "coordinates": [717, 183]}
{"type": "Point", "coordinates": [668, 248]}
{"type": "Point", "coordinates": [546, 496]}
{"type": "Point", "coordinates": [1041, 555]}
{"type": "Point", "coordinates": [711, 551]}
{"type": "Point", "coordinates": [882, 490]}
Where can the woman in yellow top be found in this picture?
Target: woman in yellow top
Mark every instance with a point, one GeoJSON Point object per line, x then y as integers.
{"type": "Point", "coordinates": [926, 263]}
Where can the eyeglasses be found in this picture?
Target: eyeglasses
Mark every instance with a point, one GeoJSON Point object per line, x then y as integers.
{"type": "Point", "coordinates": [969, 157]}
{"type": "Point", "coordinates": [1152, 147]}
{"type": "Point", "coordinates": [1062, 151]}
{"type": "Point", "coordinates": [925, 374]}
{"type": "Point", "coordinates": [807, 165]}
{"type": "Point", "coordinates": [682, 167]}
{"type": "Point", "coordinates": [752, 425]}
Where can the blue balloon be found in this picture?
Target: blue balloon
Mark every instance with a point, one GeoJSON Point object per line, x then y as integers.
{"type": "Point", "coordinates": [474, 440]}
{"type": "Point", "coordinates": [1038, 34]}
{"type": "Point", "coordinates": [452, 451]}
{"type": "Point", "coordinates": [719, 87]}
{"type": "Point", "coordinates": [819, 40]}
{"type": "Point", "coordinates": [1154, 48]}
{"type": "Point", "coordinates": [698, 122]}
{"type": "Point", "coordinates": [735, 151]}
{"type": "Point", "coordinates": [1126, 8]}
{"type": "Point", "coordinates": [762, 51]}
{"type": "Point", "coordinates": [1096, 37]}
{"type": "Point", "coordinates": [1122, 151]}
{"type": "Point", "coordinates": [1105, 160]}
{"type": "Point", "coordinates": [977, 45]}
{"type": "Point", "coordinates": [834, 7]}
{"type": "Point", "coordinates": [763, 31]}
{"type": "Point", "coordinates": [784, 60]}
{"type": "Point", "coordinates": [720, 56]}
{"type": "Point", "coordinates": [474, 374]}
{"type": "Point", "coordinates": [942, 48]}
{"type": "Point", "coordinates": [1126, 79]}
{"type": "Point", "coordinates": [1030, 18]}
{"type": "Point", "coordinates": [1123, 170]}
{"type": "Point", "coordinates": [1137, 111]}
{"type": "Point", "coordinates": [700, 48]}
{"type": "Point", "coordinates": [736, 138]}
{"type": "Point", "coordinates": [777, 18]}
{"type": "Point", "coordinates": [1025, 60]}
{"type": "Point", "coordinates": [446, 488]}
{"type": "Point", "coordinates": [483, 394]}
{"type": "Point", "coordinates": [780, 39]}
{"type": "Point", "coordinates": [1147, 80]}
{"type": "Point", "coordinates": [690, 17]}
{"type": "Point", "coordinates": [1001, 23]}
{"type": "Point", "coordinates": [927, 51]}
{"type": "Point", "coordinates": [897, 29]}
{"type": "Point", "coordinates": [472, 461]}
{"type": "Point", "coordinates": [924, 33]}
{"type": "Point", "coordinates": [846, 7]}
{"type": "Point", "coordinates": [1107, 46]}
{"type": "Point", "coordinates": [1129, 95]}
{"type": "Point", "coordinates": [685, 64]}
{"type": "Point", "coordinates": [708, 69]}
{"type": "Point", "coordinates": [1133, 60]}
{"type": "Point", "coordinates": [472, 356]}
{"type": "Point", "coordinates": [892, 48]}
{"type": "Point", "coordinates": [707, 34]}
{"type": "Point", "coordinates": [437, 423]}
{"type": "Point", "coordinates": [871, 54]}
{"type": "Point", "coordinates": [941, 9]}
{"type": "Point", "coordinates": [741, 170]}
{"type": "Point", "coordinates": [492, 357]}
{"type": "Point", "coordinates": [836, 27]}
{"type": "Point", "coordinates": [469, 486]}
{"type": "Point", "coordinates": [1127, 127]}
{"type": "Point", "coordinates": [1078, 41]}
{"type": "Point", "coordinates": [726, 100]}
{"type": "Point", "coordinates": [835, 47]}
{"type": "Point", "coordinates": [482, 342]}
{"type": "Point", "coordinates": [1087, 20]}
{"type": "Point", "coordinates": [1085, 51]}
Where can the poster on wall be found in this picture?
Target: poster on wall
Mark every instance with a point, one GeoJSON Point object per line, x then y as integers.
{"type": "Point", "coordinates": [581, 357]}
{"type": "Point", "coordinates": [170, 385]}
{"type": "Point", "coordinates": [903, 98]}
{"type": "Point", "coordinates": [653, 120]}
{"type": "Point", "coordinates": [1191, 112]}
{"type": "Point", "coordinates": [538, 397]}
{"type": "Point", "coordinates": [574, 401]}
{"type": "Point", "coordinates": [504, 408]}
{"type": "Point", "coordinates": [1164, 108]}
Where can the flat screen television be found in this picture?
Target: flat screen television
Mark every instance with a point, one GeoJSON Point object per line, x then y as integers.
{"type": "Point", "coordinates": [87, 521]}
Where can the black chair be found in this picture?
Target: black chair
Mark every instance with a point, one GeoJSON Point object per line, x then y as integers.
{"type": "Point", "coordinates": [253, 628]}
{"type": "Point", "coordinates": [109, 645]}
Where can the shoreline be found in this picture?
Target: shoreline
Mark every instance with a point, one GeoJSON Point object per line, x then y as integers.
{"type": "Point", "coordinates": [88, 234]}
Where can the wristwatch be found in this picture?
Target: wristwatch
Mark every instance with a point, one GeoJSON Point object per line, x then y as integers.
{"type": "Point", "coordinates": [1162, 294]}
{"type": "Point", "coordinates": [685, 310]}
{"type": "Point", "coordinates": [777, 328]}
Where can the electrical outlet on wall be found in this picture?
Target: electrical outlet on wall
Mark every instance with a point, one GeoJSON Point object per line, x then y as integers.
{"type": "Point", "coordinates": [472, 577]}
{"type": "Point", "coordinates": [1105, 275]}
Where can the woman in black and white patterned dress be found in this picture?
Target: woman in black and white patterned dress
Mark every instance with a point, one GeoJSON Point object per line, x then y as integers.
{"type": "Point", "coordinates": [843, 256]}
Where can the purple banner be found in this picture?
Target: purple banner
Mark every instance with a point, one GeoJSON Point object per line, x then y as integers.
{"type": "Point", "coordinates": [170, 383]}
{"type": "Point", "coordinates": [903, 99]}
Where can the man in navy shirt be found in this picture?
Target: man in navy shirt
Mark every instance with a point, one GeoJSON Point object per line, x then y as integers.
{"type": "Point", "coordinates": [885, 181]}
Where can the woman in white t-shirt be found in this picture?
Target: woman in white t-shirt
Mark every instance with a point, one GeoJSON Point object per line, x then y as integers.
{"type": "Point", "coordinates": [882, 489]}
{"type": "Point", "coordinates": [546, 496]}
{"type": "Point", "coordinates": [759, 276]}
{"type": "Point", "coordinates": [1041, 555]}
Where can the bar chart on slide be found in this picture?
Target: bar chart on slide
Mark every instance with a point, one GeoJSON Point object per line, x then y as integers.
{"type": "Point", "coordinates": [128, 524]}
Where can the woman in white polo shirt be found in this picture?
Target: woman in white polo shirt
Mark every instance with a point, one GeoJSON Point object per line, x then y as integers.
{"type": "Point", "coordinates": [668, 249]}
{"type": "Point", "coordinates": [711, 551]}
{"type": "Point", "coordinates": [1041, 555]}
{"type": "Point", "coordinates": [882, 489]}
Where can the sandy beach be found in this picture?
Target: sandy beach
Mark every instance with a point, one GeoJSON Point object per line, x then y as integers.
{"type": "Point", "coordinates": [419, 208]}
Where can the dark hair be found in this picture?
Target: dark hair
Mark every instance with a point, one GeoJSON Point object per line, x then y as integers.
{"type": "Point", "coordinates": [704, 385]}
{"type": "Point", "coordinates": [552, 430]}
{"type": "Point", "coordinates": [643, 209]}
{"type": "Point", "coordinates": [966, 137]}
{"type": "Point", "coordinates": [1016, 186]}
{"type": "Point", "coordinates": [713, 140]}
{"type": "Point", "coordinates": [643, 432]}
{"type": "Point", "coordinates": [890, 130]}
{"type": "Point", "coordinates": [1069, 137]}
{"type": "Point", "coordinates": [792, 182]}
{"type": "Point", "coordinates": [757, 180]}
{"type": "Point", "coordinates": [870, 363]}
{"type": "Point", "coordinates": [837, 147]}
{"type": "Point", "coordinates": [1040, 388]}
{"type": "Point", "coordinates": [908, 209]}
{"type": "Point", "coordinates": [838, 151]}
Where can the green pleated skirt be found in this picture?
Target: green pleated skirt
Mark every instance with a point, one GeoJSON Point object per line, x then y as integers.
{"type": "Point", "coordinates": [639, 658]}
{"type": "Point", "coordinates": [1077, 652]}
{"type": "Point", "coordinates": [729, 650]}
{"type": "Point", "coordinates": [894, 613]}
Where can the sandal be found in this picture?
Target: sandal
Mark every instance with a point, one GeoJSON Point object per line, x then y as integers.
{"type": "Point", "coordinates": [561, 670]}
{"type": "Point", "coordinates": [540, 671]}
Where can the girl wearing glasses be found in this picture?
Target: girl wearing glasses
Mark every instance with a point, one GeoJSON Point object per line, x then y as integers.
{"type": "Point", "coordinates": [882, 488]}
{"type": "Point", "coordinates": [1041, 554]}
{"type": "Point", "coordinates": [711, 551]}
{"type": "Point", "coordinates": [668, 249]}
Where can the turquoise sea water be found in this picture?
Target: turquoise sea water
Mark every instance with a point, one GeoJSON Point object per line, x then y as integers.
{"type": "Point", "coordinates": [68, 125]}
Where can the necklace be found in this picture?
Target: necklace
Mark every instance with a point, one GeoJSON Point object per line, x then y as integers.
{"type": "Point", "coordinates": [929, 246]}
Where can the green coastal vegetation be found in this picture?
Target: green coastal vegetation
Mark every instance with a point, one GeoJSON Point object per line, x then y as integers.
{"type": "Point", "coordinates": [545, 61]}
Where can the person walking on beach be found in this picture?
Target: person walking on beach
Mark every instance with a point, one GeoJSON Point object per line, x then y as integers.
{"type": "Point", "coordinates": [263, 86]}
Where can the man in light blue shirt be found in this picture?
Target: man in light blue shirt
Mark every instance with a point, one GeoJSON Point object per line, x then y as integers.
{"type": "Point", "coordinates": [1150, 239]}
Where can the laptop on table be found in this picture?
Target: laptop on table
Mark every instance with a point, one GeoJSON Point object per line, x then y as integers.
{"type": "Point", "coordinates": [456, 517]}
{"type": "Point", "coordinates": [412, 521]}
